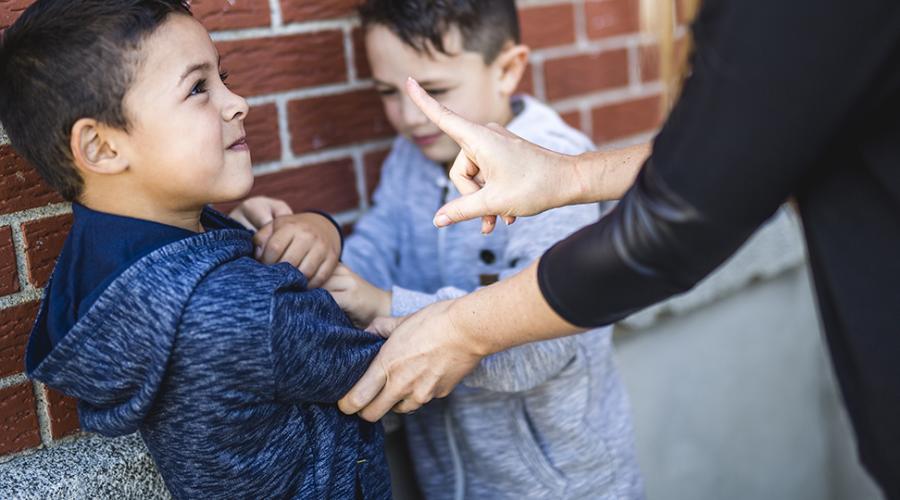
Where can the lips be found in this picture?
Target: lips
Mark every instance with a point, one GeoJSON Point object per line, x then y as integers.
{"type": "Point", "coordinates": [426, 140]}
{"type": "Point", "coordinates": [239, 145]}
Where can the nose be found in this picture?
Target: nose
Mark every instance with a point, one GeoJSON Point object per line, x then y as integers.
{"type": "Point", "coordinates": [412, 115]}
{"type": "Point", "coordinates": [235, 107]}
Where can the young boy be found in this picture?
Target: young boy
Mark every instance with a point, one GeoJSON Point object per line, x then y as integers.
{"type": "Point", "coordinates": [544, 420]}
{"type": "Point", "coordinates": [157, 318]}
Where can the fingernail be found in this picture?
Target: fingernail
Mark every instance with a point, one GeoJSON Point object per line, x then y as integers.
{"type": "Point", "coordinates": [258, 252]}
{"type": "Point", "coordinates": [441, 220]}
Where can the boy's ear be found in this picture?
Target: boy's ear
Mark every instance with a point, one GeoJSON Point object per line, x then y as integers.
{"type": "Point", "coordinates": [94, 148]}
{"type": "Point", "coordinates": [512, 62]}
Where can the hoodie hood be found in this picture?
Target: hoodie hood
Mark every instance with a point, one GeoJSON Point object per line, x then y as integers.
{"type": "Point", "coordinates": [114, 358]}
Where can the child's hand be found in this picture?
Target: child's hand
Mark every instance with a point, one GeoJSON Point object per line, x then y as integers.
{"type": "Point", "coordinates": [307, 241]}
{"type": "Point", "coordinates": [361, 300]}
{"type": "Point", "coordinates": [256, 212]}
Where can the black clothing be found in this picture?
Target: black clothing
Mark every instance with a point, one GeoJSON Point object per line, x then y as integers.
{"type": "Point", "coordinates": [798, 98]}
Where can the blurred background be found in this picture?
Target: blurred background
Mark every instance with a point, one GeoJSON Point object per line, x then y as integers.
{"type": "Point", "coordinates": [731, 389]}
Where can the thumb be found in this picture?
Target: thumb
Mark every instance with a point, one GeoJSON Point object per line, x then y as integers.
{"type": "Point", "coordinates": [464, 208]}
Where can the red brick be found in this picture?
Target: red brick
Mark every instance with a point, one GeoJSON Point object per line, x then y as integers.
{"type": "Point", "coordinates": [10, 10]}
{"type": "Point", "coordinates": [573, 118]}
{"type": "Point", "coordinates": [264, 65]}
{"type": "Point", "coordinates": [262, 133]}
{"type": "Point", "coordinates": [363, 70]}
{"type": "Point", "coordinates": [9, 274]}
{"type": "Point", "coordinates": [44, 239]}
{"type": "Point", "coordinates": [526, 84]}
{"type": "Point", "coordinates": [586, 73]}
{"type": "Point", "coordinates": [611, 17]}
{"type": "Point", "coordinates": [18, 419]}
{"type": "Point", "coordinates": [327, 186]}
{"type": "Point", "coordinates": [373, 162]}
{"type": "Point", "coordinates": [63, 413]}
{"type": "Point", "coordinates": [336, 120]}
{"type": "Point", "coordinates": [295, 11]}
{"type": "Point", "coordinates": [548, 25]}
{"type": "Point", "coordinates": [231, 14]}
{"type": "Point", "coordinates": [21, 187]}
{"type": "Point", "coordinates": [14, 329]}
{"type": "Point", "coordinates": [625, 119]}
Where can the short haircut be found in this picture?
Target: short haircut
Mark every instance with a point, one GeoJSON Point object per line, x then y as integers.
{"type": "Point", "coordinates": [485, 25]}
{"type": "Point", "coordinates": [64, 60]}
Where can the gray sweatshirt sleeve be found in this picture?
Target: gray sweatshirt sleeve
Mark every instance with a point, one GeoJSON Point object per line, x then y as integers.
{"type": "Point", "coordinates": [530, 365]}
{"type": "Point", "coordinates": [372, 250]}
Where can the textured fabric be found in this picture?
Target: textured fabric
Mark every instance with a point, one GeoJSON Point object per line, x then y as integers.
{"type": "Point", "coordinates": [800, 99]}
{"type": "Point", "coordinates": [543, 420]}
{"type": "Point", "coordinates": [228, 368]}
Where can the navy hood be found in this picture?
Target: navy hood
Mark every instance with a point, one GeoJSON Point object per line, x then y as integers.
{"type": "Point", "coordinates": [116, 372]}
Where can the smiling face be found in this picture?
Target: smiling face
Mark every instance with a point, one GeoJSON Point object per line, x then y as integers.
{"type": "Point", "coordinates": [185, 144]}
{"type": "Point", "coordinates": [461, 81]}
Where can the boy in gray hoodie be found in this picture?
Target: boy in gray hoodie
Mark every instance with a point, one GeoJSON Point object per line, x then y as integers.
{"type": "Point", "coordinates": [543, 420]}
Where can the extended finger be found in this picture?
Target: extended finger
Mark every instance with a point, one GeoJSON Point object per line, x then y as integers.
{"type": "Point", "coordinates": [465, 207]}
{"type": "Point", "coordinates": [458, 128]}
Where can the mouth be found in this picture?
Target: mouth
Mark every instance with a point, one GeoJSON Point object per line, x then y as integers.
{"type": "Point", "coordinates": [426, 140]}
{"type": "Point", "coordinates": [239, 145]}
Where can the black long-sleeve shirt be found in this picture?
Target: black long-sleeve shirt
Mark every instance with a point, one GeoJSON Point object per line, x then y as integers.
{"type": "Point", "coordinates": [798, 98]}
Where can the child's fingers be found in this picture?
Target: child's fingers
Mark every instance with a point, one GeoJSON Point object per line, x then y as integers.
{"type": "Point", "coordinates": [238, 215]}
{"type": "Point", "coordinates": [261, 238]}
{"type": "Point", "coordinates": [312, 258]}
{"type": "Point", "coordinates": [324, 272]}
{"type": "Point", "coordinates": [276, 246]}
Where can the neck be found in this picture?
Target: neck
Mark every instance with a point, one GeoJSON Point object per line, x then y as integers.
{"type": "Point", "coordinates": [139, 208]}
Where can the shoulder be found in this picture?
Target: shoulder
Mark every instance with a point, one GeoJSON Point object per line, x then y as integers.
{"type": "Point", "coordinates": [542, 125]}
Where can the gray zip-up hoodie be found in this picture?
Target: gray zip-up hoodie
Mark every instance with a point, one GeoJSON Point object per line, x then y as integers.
{"type": "Point", "coordinates": [543, 420]}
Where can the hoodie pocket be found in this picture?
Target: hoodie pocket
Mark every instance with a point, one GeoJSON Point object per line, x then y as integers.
{"type": "Point", "coordinates": [530, 449]}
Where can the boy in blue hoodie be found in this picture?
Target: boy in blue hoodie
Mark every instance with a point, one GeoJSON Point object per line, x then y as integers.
{"type": "Point", "coordinates": [543, 420]}
{"type": "Point", "coordinates": [157, 318]}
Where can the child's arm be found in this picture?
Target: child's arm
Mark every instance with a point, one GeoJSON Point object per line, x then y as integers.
{"type": "Point", "coordinates": [361, 300]}
{"type": "Point", "coordinates": [317, 355]}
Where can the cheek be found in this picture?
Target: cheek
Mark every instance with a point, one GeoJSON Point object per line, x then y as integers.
{"type": "Point", "coordinates": [393, 113]}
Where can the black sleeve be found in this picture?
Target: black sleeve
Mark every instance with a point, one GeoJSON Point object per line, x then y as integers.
{"type": "Point", "coordinates": [773, 84]}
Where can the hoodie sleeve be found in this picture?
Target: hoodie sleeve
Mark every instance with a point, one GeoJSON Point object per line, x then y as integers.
{"type": "Point", "coordinates": [317, 355]}
{"type": "Point", "coordinates": [372, 251]}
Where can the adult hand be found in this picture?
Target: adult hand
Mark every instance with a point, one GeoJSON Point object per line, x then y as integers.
{"type": "Point", "coordinates": [497, 172]}
{"type": "Point", "coordinates": [425, 357]}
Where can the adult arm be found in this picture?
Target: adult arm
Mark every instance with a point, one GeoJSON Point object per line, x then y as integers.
{"type": "Point", "coordinates": [771, 89]}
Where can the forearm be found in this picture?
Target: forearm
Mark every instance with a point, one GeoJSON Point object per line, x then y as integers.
{"type": "Point", "coordinates": [508, 313]}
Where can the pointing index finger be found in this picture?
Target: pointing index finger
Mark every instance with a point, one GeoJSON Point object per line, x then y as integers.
{"type": "Point", "coordinates": [458, 128]}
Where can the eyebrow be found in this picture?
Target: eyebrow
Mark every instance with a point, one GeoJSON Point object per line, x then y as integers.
{"type": "Point", "coordinates": [206, 66]}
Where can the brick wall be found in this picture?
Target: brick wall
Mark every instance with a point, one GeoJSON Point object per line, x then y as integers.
{"type": "Point", "coordinates": [317, 135]}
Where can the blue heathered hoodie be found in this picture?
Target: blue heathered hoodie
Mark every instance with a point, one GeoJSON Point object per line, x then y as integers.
{"type": "Point", "coordinates": [228, 368]}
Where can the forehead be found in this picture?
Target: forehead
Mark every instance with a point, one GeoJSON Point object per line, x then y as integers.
{"type": "Point", "coordinates": [179, 42]}
{"type": "Point", "coordinates": [391, 58]}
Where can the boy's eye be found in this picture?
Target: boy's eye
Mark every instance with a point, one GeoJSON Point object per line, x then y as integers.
{"type": "Point", "coordinates": [386, 92]}
{"type": "Point", "coordinates": [435, 92]}
{"type": "Point", "coordinates": [199, 88]}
